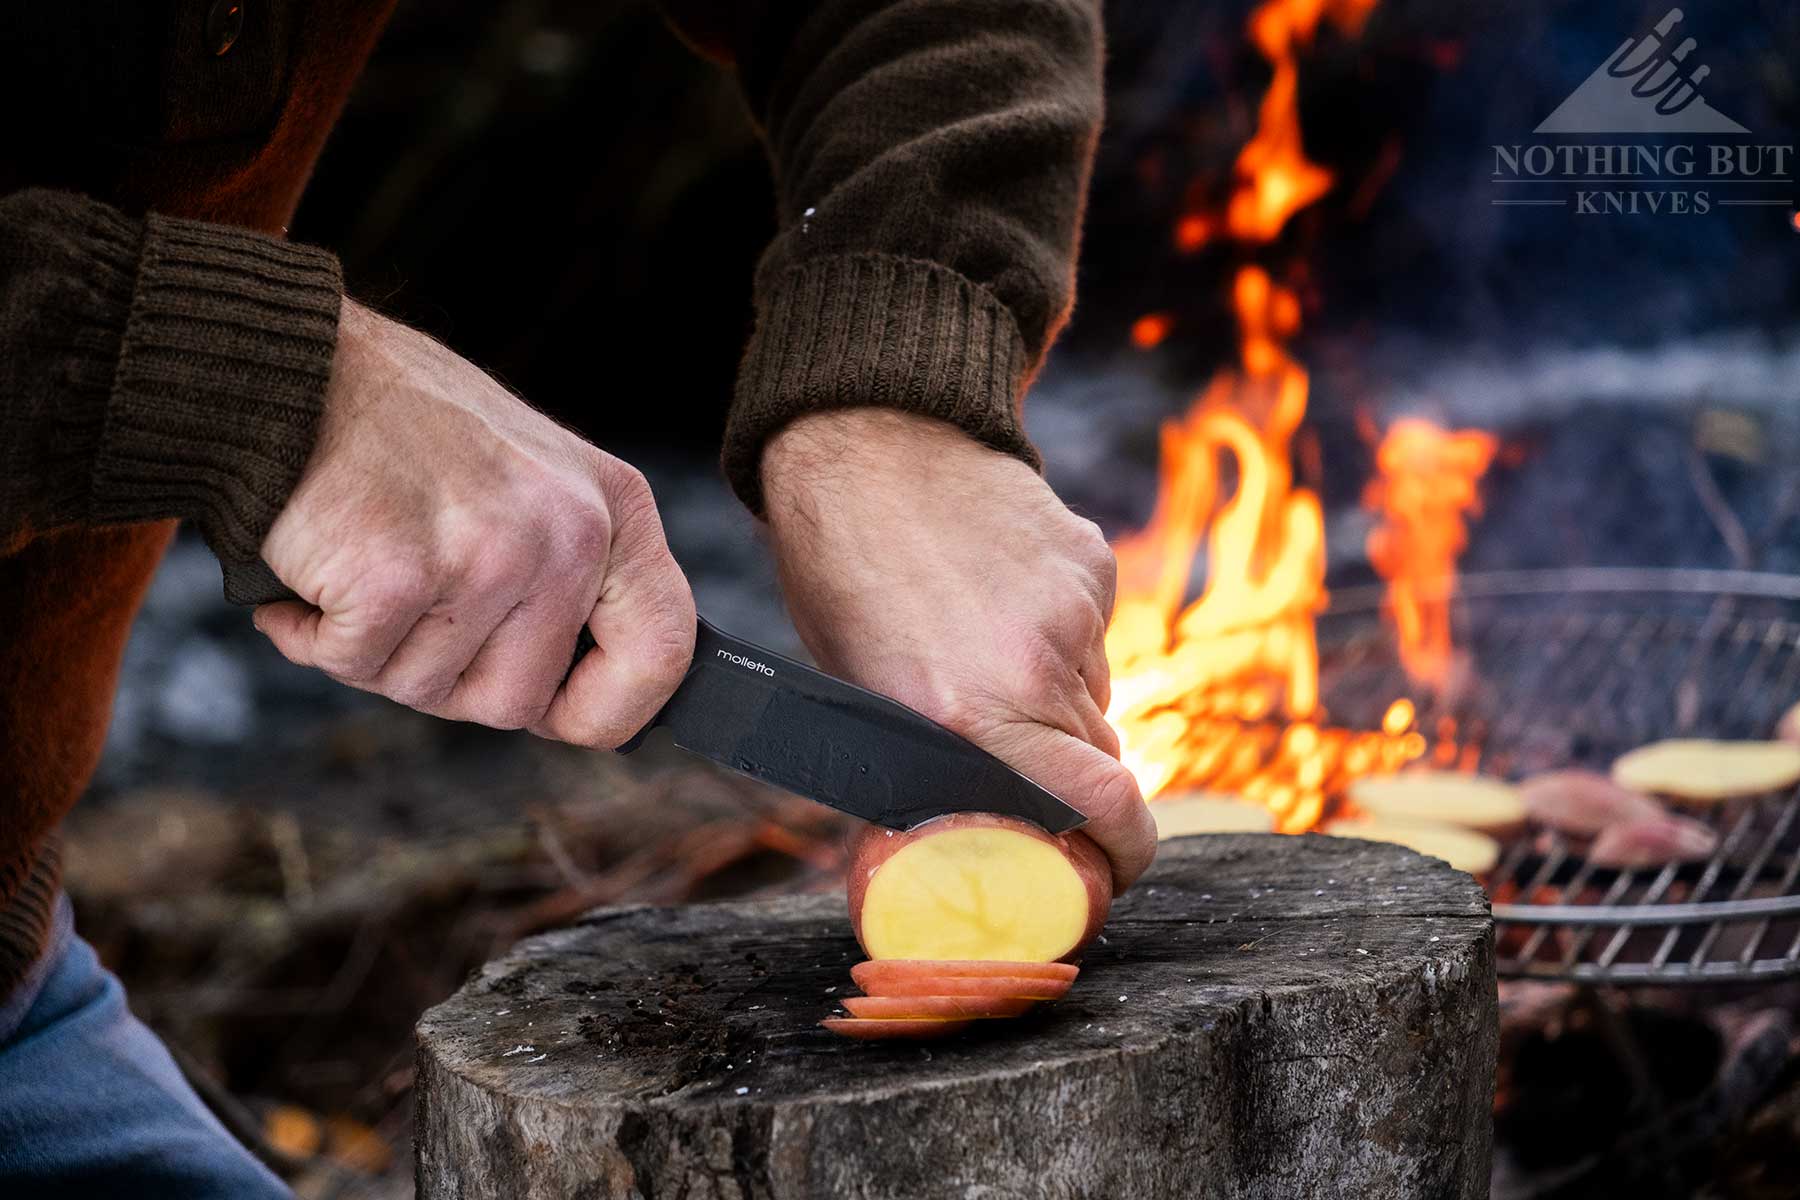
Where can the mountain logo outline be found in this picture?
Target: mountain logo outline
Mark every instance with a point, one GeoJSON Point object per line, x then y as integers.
{"type": "Point", "coordinates": [1648, 85]}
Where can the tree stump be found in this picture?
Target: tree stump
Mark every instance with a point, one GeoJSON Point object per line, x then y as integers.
{"type": "Point", "coordinates": [1266, 1017]}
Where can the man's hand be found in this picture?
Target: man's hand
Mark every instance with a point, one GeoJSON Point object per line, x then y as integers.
{"type": "Point", "coordinates": [920, 564]}
{"type": "Point", "coordinates": [451, 542]}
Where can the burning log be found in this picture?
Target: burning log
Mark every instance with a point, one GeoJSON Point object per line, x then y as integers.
{"type": "Point", "coordinates": [1265, 1017]}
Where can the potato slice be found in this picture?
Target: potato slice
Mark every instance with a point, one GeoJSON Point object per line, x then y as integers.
{"type": "Point", "coordinates": [1700, 770]}
{"type": "Point", "coordinates": [992, 987]}
{"type": "Point", "coordinates": [1582, 803]}
{"type": "Point", "coordinates": [1788, 728]}
{"type": "Point", "coordinates": [872, 974]}
{"type": "Point", "coordinates": [1440, 798]}
{"type": "Point", "coordinates": [977, 886]}
{"type": "Point", "coordinates": [1654, 842]}
{"type": "Point", "coordinates": [1201, 812]}
{"type": "Point", "coordinates": [916, 1028]}
{"type": "Point", "coordinates": [938, 1007]}
{"type": "Point", "coordinates": [1465, 849]}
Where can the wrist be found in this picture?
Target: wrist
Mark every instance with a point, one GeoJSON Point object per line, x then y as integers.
{"type": "Point", "coordinates": [861, 448]}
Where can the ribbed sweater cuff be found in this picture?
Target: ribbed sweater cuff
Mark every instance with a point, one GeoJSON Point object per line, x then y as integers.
{"type": "Point", "coordinates": [28, 890]}
{"type": "Point", "coordinates": [882, 331]}
{"type": "Point", "coordinates": [220, 383]}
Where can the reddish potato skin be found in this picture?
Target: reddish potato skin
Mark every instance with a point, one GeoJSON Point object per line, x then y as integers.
{"type": "Point", "coordinates": [993, 987]}
{"type": "Point", "coordinates": [871, 975]}
{"type": "Point", "coordinates": [874, 845]}
{"type": "Point", "coordinates": [900, 1008]}
{"type": "Point", "coordinates": [1583, 803]}
{"type": "Point", "coordinates": [870, 1030]}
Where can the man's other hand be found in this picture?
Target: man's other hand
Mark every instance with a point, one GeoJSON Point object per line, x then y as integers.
{"type": "Point", "coordinates": [450, 543]}
{"type": "Point", "coordinates": [925, 566]}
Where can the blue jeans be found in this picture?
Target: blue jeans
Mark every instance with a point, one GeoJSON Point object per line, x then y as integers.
{"type": "Point", "coordinates": [91, 1104]}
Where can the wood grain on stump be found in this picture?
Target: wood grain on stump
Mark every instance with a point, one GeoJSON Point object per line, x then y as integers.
{"type": "Point", "coordinates": [1267, 1017]}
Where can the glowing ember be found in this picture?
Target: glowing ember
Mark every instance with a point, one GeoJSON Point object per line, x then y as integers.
{"type": "Point", "coordinates": [1426, 485]}
{"type": "Point", "coordinates": [1219, 692]}
{"type": "Point", "coordinates": [1148, 332]}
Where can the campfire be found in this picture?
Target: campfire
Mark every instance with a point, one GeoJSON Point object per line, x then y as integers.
{"type": "Point", "coordinates": [1221, 693]}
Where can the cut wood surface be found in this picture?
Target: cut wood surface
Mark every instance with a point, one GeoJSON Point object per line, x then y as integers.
{"type": "Point", "coordinates": [1264, 1017]}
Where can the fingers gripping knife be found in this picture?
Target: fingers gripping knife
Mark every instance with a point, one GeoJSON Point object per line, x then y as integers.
{"type": "Point", "coordinates": [786, 724]}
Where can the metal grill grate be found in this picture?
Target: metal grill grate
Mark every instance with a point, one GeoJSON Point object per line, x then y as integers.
{"type": "Point", "coordinates": [1573, 668]}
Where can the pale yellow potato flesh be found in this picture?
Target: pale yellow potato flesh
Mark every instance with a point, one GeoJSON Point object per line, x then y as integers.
{"type": "Point", "coordinates": [1439, 798]}
{"type": "Point", "coordinates": [1465, 849]}
{"type": "Point", "coordinates": [1199, 812]}
{"type": "Point", "coordinates": [1700, 770]}
{"type": "Point", "coordinates": [975, 893]}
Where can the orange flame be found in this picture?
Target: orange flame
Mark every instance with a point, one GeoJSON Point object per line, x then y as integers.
{"type": "Point", "coordinates": [1219, 693]}
{"type": "Point", "coordinates": [1427, 481]}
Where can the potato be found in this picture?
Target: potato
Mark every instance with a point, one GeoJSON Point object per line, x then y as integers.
{"type": "Point", "coordinates": [1654, 842]}
{"type": "Point", "coordinates": [865, 1029]}
{"type": "Point", "coordinates": [1698, 770]}
{"type": "Point", "coordinates": [1582, 803]}
{"type": "Point", "coordinates": [1201, 812]}
{"type": "Point", "coordinates": [939, 1007]}
{"type": "Point", "coordinates": [1440, 798]}
{"type": "Point", "coordinates": [870, 976]}
{"type": "Point", "coordinates": [976, 886]}
{"type": "Point", "coordinates": [1465, 849]}
{"type": "Point", "coordinates": [1788, 728]}
{"type": "Point", "coordinates": [993, 987]}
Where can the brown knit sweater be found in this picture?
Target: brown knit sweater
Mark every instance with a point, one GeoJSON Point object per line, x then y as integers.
{"type": "Point", "coordinates": [164, 352]}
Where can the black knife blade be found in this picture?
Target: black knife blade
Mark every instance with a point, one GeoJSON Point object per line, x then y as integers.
{"type": "Point", "coordinates": [801, 730]}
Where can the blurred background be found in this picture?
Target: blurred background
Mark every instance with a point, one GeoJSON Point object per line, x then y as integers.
{"type": "Point", "coordinates": [287, 872]}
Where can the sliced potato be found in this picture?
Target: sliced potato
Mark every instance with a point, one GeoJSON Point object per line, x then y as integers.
{"type": "Point", "coordinates": [1696, 769]}
{"type": "Point", "coordinates": [976, 886]}
{"type": "Point", "coordinates": [1582, 803]}
{"type": "Point", "coordinates": [1788, 728]}
{"type": "Point", "coordinates": [937, 1007]}
{"type": "Point", "coordinates": [993, 987]}
{"type": "Point", "coordinates": [870, 1030]}
{"type": "Point", "coordinates": [1203, 812]}
{"type": "Point", "coordinates": [1465, 849]}
{"type": "Point", "coordinates": [1440, 798]}
{"type": "Point", "coordinates": [873, 974]}
{"type": "Point", "coordinates": [1655, 842]}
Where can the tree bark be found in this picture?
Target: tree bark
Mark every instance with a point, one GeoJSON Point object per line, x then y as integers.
{"type": "Point", "coordinates": [1266, 1017]}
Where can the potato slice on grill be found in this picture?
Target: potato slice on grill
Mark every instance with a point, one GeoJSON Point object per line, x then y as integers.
{"type": "Point", "coordinates": [874, 1030]}
{"type": "Point", "coordinates": [1440, 798]}
{"type": "Point", "coordinates": [1465, 849]}
{"type": "Point", "coordinates": [1200, 812]}
{"type": "Point", "coordinates": [1702, 771]}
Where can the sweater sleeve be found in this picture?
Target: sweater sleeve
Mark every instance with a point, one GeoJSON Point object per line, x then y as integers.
{"type": "Point", "coordinates": [156, 368]}
{"type": "Point", "coordinates": [931, 161]}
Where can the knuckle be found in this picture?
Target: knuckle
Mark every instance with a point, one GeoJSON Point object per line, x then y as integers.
{"type": "Point", "coordinates": [583, 531]}
{"type": "Point", "coordinates": [628, 489]}
{"type": "Point", "coordinates": [393, 591]}
{"type": "Point", "coordinates": [512, 711]}
{"type": "Point", "coordinates": [422, 695]}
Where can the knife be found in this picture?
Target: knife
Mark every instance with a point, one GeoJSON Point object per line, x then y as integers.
{"type": "Point", "coordinates": [786, 724]}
